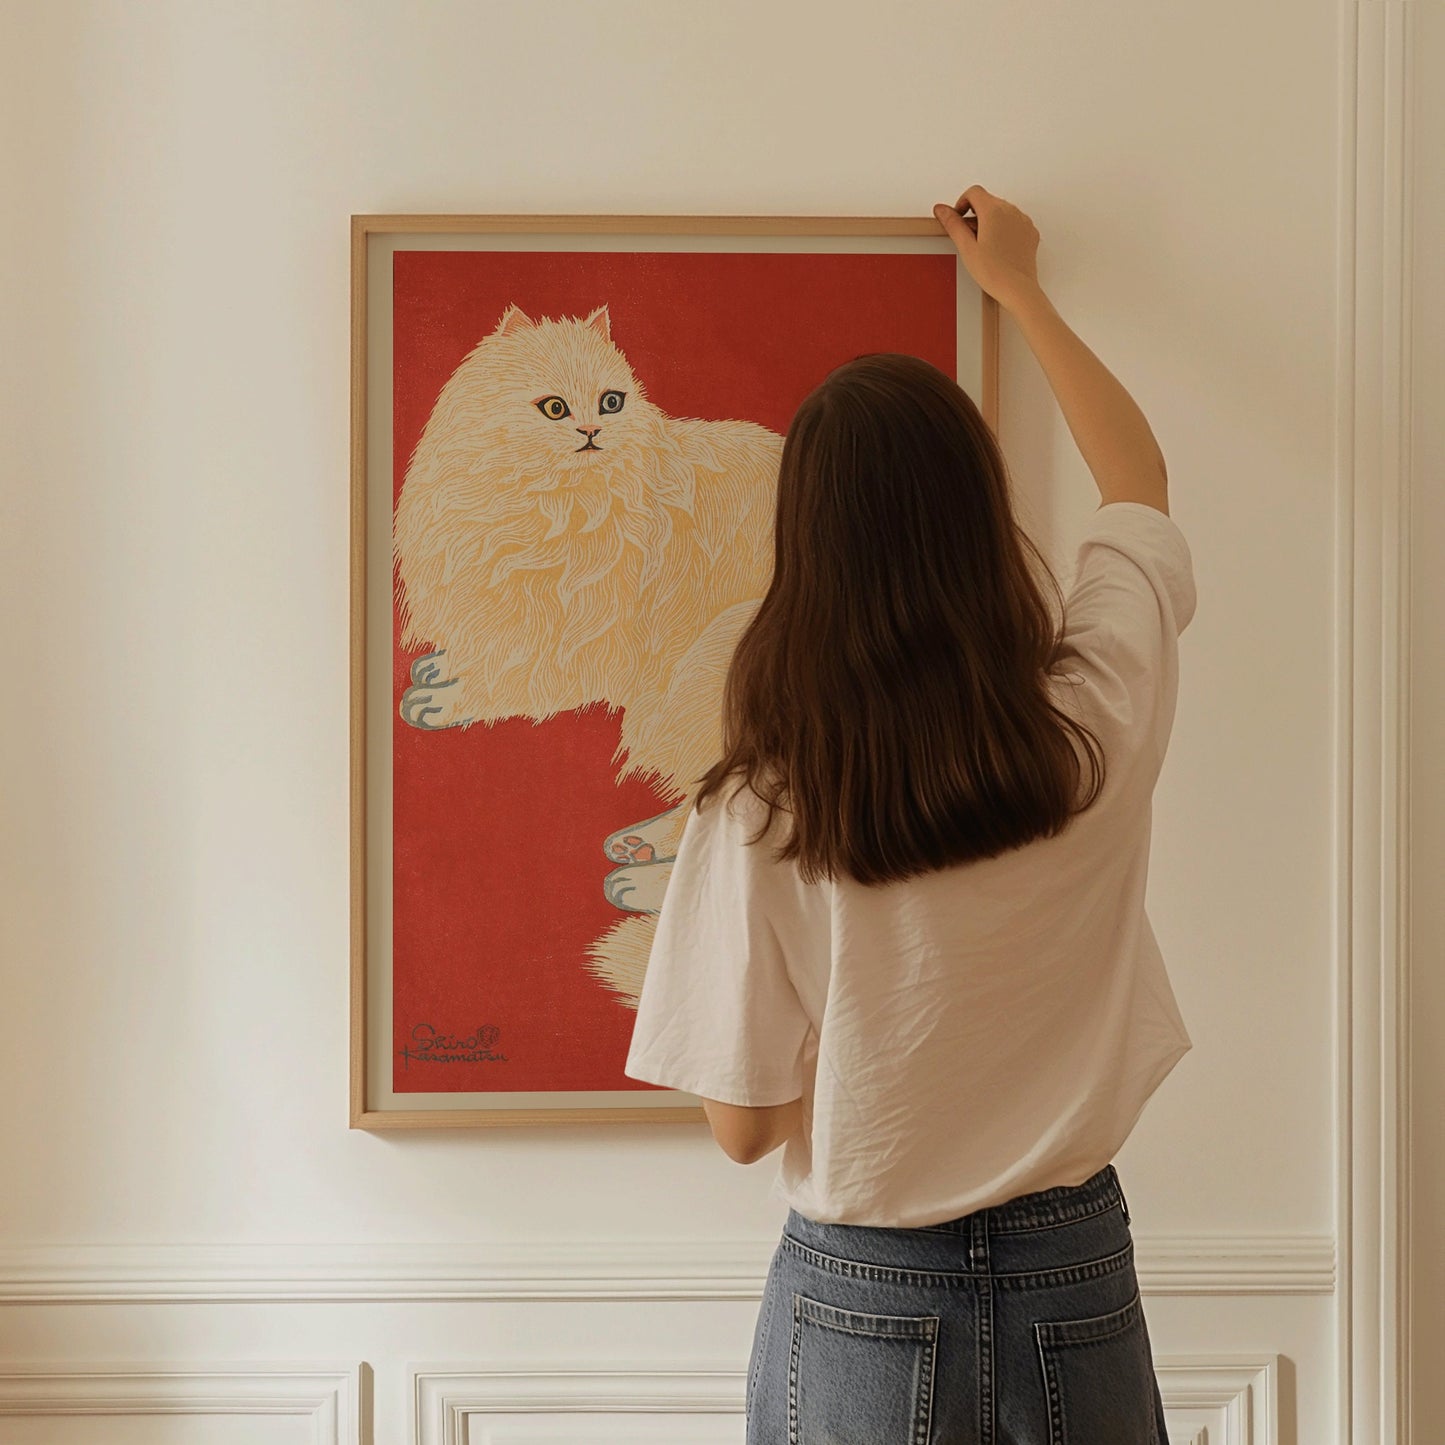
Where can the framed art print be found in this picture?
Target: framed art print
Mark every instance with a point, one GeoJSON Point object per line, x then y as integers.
{"type": "Point", "coordinates": [565, 440]}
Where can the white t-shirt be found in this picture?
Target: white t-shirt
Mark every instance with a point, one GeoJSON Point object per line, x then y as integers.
{"type": "Point", "coordinates": [969, 1035]}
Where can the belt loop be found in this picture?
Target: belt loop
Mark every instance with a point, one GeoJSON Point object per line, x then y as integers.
{"type": "Point", "coordinates": [978, 1240]}
{"type": "Point", "coordinates": [1123, 1203]}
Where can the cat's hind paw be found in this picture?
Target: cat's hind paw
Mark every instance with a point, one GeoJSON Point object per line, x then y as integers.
{"type": "Point", "coordinates": [638, 888]}
{"type": "Point", "coordinates": [630, 848]}
{"type": "Point", "coordinates": [650, 841]}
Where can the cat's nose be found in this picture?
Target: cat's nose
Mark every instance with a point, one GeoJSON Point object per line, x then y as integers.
{"type": "Point", "coordinates": [590, 431]}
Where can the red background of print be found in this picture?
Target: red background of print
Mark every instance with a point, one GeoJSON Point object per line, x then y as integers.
{"type": "Point", "coordinates": [498, 863]}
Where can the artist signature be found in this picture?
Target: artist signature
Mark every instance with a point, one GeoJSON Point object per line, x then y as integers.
{"type": "Point", "coordinates": [431, 1047]}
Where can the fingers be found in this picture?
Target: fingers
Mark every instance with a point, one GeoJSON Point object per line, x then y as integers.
{"type": "Point", "coordinates": [976, 197]}
{"type": "Point", "coordinates": [957, 226]}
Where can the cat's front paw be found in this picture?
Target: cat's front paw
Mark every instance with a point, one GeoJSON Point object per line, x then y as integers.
{"type": "Point", "coordinates": [429, 668]}
{"type": "Point", "coordinates": [433, 706]}
{"type": "Point", "coordinates": [638, 888]}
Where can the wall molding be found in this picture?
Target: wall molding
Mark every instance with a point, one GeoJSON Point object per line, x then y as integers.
{"type": "Point", "coordinates": [1220, 1399]}
{"type": "Point", "coordinates": [329, 1396]}
{"type": "Point", "coordinates": [1209, 1399]}
{"type": "Point", "coordinates": [537, 1270]}
{"type": "Point", "coordinates": [1372, 672]}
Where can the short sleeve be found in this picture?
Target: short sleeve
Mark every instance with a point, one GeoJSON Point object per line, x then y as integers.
{"type": "Point", "coordinates": [719, 1016]}
{"type": "Point", "coordinates": [1132, 595]}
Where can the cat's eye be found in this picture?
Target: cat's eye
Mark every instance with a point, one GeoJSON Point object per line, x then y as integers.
{"type": "Point", "coordinates": [553, 407]}
{"type": "Point", "coordinates": [611, 402]}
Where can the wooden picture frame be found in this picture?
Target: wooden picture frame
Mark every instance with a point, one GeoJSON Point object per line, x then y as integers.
{"type": "Point", "coordinates": [409, 341]}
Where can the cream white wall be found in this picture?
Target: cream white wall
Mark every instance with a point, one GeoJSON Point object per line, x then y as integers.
{"type": "Point", "coordinates": [174, 402]}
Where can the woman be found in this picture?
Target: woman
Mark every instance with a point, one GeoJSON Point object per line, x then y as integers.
{"type": "Point", "coordinates": [904, 936]}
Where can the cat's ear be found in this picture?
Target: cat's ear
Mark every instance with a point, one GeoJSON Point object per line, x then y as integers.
{"type": "Point", "coordinates": [513, 319]}
{"type": "Point", "coordinates": [600, 322]}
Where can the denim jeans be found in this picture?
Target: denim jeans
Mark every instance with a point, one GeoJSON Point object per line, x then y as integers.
{"type": "Point", "coordinates": [1019, 1324]}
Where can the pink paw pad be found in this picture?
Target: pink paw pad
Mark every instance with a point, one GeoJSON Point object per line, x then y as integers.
{"type": "Point", "coordinates": [632, 848]}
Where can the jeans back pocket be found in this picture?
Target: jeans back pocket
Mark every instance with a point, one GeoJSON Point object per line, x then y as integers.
{"type": "Point", "coordinates": [1099, 1378]}
{"type": "Point", "coordinates": [859, 1379]}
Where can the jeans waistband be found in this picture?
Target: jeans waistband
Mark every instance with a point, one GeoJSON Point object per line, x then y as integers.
{"type": "Point", "coordinates": [1047, 1207]}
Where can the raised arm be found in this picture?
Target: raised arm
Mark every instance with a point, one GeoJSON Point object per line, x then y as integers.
{"type": "Point", "coordinates": [998, 245]}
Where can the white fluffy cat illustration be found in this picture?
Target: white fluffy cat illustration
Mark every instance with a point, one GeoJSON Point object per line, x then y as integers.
{"type": "Point", "coordinates": [559, 540]}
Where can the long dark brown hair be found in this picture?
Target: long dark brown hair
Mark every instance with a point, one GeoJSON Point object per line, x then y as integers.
{"type": "Point", "coordinates": [890, 693]}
